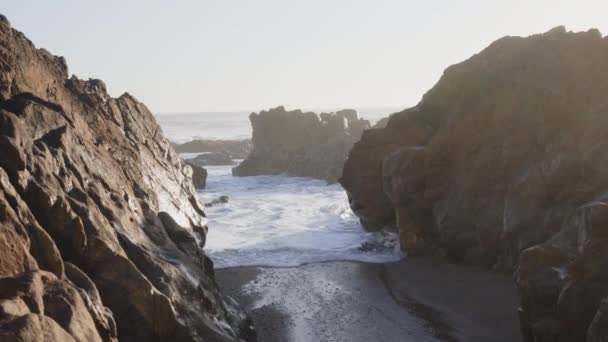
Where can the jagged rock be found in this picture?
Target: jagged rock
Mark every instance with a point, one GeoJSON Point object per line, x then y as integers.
{"type": "Point", "coordinates": [101, 232]}
{"type": "Point", "coordinates": [503, 163]}
{"type": "Point", "coordinates": [199, 175]}
{"type": "Point", "coordinates": [236, 149]}
{"type": "Point", "coordinates": [44, 294]}
{"type": "Point", "coordinates": [301, 144]}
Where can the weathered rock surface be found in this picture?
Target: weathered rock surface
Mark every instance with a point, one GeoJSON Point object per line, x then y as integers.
{"type": "Point", "coordinates": [504, 163]}
{"type": "Point", "coordinates": [236, 149]}
{"type": "Point", "coordinates": [301, 144]}
{"type": "Point", "coordinates": [101, 233]}
{"type": "Point", "coordinates": [199, 175]}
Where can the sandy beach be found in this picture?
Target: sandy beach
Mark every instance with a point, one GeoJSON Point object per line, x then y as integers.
{"type": "Point", "coordinates": [411, 300]}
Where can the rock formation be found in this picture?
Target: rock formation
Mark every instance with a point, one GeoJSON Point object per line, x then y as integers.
{"type": "Point", "coordinates": [301, 144]}
{"type": "Point", "coordinates": [199, 175]}
{"type": "Point", "coordinates": [504, 163]}
{"type": "Point", "coordinates": [220, 200]}
{"type": "Point", "coordinates": [236, 149]}
{"type": "Point", "coordinates": [101, 233]}
{"type": "Point", "coordinates": [212, 158]}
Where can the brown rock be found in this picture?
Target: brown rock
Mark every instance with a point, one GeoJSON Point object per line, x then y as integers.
{"type": "Point", "coordinates": [101, 315]}
{"type": "Point", "coordinates": [301, 144]}
{"type": "Point", "coordinates": [502, 163]}
{"type": "Point", "coordinates": [199, 175]}
{"type": "Point", "coordinates": [42, 293]}
{"type": "Point", "coordinates": [63, 303]}
{"type": "Point", "coordinates": [13, 307]}
{"type": "Point", "coordinates": [28, 287]}
{"type": "Point", "coordinates": [84, 178]}
{"type": "Point", "coordinates": [362, 177]}
{"type": "Point", "coordinates": [32, 328]}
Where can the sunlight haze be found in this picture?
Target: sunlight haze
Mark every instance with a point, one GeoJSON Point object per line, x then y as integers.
{"type": "Point", "coordinates": [186, 56]}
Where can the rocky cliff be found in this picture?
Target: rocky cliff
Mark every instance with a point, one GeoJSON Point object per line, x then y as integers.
{"type": "Point", "coordinates": [101, 233]}
{"type": "Point", "coordinates": [301, 144]}
{"type": "Point", "coordinates": [503, 163]}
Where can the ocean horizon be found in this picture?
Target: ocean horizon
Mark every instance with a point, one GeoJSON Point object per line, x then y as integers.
{"type": "Point", "coordinates": [235, 125]}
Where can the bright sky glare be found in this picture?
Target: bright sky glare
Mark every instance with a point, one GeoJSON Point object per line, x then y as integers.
{"type": "Point", "coordinates": [201, 55]}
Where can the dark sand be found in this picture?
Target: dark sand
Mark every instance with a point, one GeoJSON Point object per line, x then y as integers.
{"type": "Point", "coordinates": [412, 300]}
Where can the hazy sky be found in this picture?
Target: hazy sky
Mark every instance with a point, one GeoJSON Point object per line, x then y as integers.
{"type": "Point", "coordinates": [180, 56]}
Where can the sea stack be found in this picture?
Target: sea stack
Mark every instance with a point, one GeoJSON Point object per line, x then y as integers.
{"type": "Point", "coordinates": [503, 163]}
{"type": "Point", "coordinates": [101, 232]}
{"type": "Point", "coordinates": [301, 144]}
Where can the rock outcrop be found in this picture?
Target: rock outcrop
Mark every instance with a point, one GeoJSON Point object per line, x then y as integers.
{"type": "Point", "coordinates": [199, 175]}
{"type": "Point", "coordinates": [211, 159]}
{"type": "Point", "coordinates": [101, 232]}
{"type": "Point", "coordinates": [503, 163]}
{"type": "Point", "coordinates": [301, 144]}
{"type": "Point", "coordinates": [235, 149]}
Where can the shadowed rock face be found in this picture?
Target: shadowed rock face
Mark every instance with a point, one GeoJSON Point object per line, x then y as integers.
{"type": "Point", "coordinates": [101, 233]}
{"type": "Point", "coordinates": [199, 175]}
{"type": "Point", "coordinates": [504, 163]}
{"type": "Point", "coordinates": [301, 144]}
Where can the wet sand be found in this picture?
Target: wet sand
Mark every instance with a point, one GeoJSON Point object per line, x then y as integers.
{"type": "Point", "coordinates": [412, 300]}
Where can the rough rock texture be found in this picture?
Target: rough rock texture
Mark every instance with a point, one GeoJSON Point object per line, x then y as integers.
{"type": "Point", "coordinates": [101, 233]}
{"type": "Point", "coordinates": [301, 144]}
{"type": "Point", "coordinates": [199, 175]}
{"type": "Point", "coordinates": [504, 163]}
{"type": "Point", "coordinates": [236, 149]}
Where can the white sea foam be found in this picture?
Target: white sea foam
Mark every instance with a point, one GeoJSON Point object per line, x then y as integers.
{"type": "Point", "coordinates": [285, 221]}
{"type": "Point", "coordinates": [276, 220]}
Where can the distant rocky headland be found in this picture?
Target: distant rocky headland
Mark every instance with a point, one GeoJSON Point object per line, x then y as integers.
{"type": "Point", "coordinates": [221, 150]}
{"type": "Point", "coordinates": [503, 163]}
{"type": "Point", "coordinates": [101, 231]}
{"type": "Point", "coordinates": [302, 144]}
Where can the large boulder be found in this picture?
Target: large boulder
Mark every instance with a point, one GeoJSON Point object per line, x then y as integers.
{"type": "Point", "coordinates": [503, 164]}
{"type": "Point", "coordinates": [301, 144]}
{"type": "Point", "coordinates": [101, 232]}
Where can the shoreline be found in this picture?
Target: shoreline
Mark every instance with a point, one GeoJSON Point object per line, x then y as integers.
{"type": "Point", "coordinates": [409, 300]}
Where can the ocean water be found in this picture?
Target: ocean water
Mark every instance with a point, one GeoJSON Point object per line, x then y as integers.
{"type": "Point", "coordinates": [276, 220]}
{"type": "Point", "coordinates": [183, 127]}
{"type": "Point", "coordinates": [286, 221]}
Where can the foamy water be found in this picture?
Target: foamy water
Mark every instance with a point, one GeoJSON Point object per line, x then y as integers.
{"type": "Point", "coordinates": [276, 220]}
{"type": "Point", "coordinates": [286, 221]}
